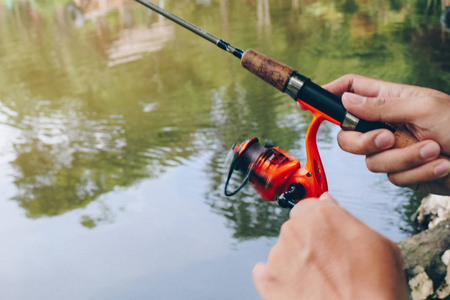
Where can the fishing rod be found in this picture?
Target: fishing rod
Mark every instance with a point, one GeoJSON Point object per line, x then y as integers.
{"type": "Point", "coordinates": [253, 159]}
{"type": "Point", "coordinates": [284, 78]}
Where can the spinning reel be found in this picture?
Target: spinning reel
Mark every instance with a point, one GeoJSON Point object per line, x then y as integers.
{"type": "Point", "coordinates": [275, 174]}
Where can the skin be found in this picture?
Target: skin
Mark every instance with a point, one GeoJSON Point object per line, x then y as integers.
{"type": "Point", "coordinates": [422, 111]}
{"type": "Point", "coordinates": [323, 252]}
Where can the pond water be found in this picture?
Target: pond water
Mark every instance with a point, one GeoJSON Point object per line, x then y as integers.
{"type": "Point", "coordinates": [115, 124]}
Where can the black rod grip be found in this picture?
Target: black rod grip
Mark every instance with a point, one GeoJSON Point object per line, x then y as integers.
{"type": "Point", "coordinates": [332, 106]}
{"type": "Point", "coordinates": [365, 126]}
{"type": "Point", "coordinates": [323, 100]}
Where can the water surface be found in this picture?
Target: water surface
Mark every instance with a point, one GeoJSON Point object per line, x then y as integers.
{"type": "Point", "coordinates": [115, 125]}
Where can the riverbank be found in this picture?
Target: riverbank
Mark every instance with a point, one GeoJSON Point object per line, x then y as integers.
{"type": "Point", "coordinates": [426, 256]}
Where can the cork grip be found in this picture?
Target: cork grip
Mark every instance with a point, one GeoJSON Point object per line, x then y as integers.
{"type": "Point", "coordinates": [404, 138]}
{"type": "Point", "coordinates": [266, 68]}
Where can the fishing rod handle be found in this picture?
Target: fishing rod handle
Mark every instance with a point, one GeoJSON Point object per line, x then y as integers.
{"type": "Point", "coordinates": [299, 87]}
{"type": "Point", "coordinates": [271, 71]}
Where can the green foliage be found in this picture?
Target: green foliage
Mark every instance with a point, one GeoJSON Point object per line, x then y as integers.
{"type": "Point", "coordinates": [90, 123]}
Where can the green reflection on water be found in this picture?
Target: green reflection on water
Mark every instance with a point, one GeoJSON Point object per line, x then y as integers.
{"type": "Point", "coordinates": [105, 96]}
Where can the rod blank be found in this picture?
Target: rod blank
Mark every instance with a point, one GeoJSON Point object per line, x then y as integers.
{"type": "Point", "coordinates": [197, 30]}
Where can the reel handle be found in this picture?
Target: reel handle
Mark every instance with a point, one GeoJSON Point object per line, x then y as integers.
{"type": "Point", "coordinates": [295, 191]}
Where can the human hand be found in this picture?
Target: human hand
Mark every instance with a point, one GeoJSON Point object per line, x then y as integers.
{"type": "Point", "coordinates": [422, 111]}
{"type": "Point", "coordinates": [323, 252]}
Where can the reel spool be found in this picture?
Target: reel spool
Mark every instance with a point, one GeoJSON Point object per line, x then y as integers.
{"type": "Point", "coordinates": [275, 174]}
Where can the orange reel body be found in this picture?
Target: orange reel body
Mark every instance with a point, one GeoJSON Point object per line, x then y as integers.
{"type": "Point", "coordinates": [277, 175]}
{"type": "Point", "coordinates": [273, 176]}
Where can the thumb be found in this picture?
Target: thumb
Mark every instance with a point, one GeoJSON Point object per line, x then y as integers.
{"type": "Point", "coordinates": [395, 110]}
{"type": "Point", "coordinates": [258, 275]}
{"type": "Point", "coordinates": [326, 197]}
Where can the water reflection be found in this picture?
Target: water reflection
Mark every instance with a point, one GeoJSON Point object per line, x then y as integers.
{"type": "Point", "coordinates": [362, 26]}
{"type": "Point", "coordinates": [445, 16]}
{"type": "Point", "coordinates": [132, 41]}
{"type": "Point", "coordinates": [75, 144]}
{"type": "Point", "coordinates": [263, 16]}
{"type": "Point", "coordinates": [104, 96]}
{"type": "Point", "coordinates": [115, 124]}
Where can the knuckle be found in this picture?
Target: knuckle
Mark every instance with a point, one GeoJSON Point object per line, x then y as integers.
{"type": "Point", "coordinates": [352, 76]}
{"type": "Point", "coordinates": [394, 179]}
{"type": "Point", "coordinates": [347, 81]}
{"type": "Point", "coordinates": [348, 77]}
{"type": "Point", "coordinates": [382, 101]}
{"type": "Point", "coordinates": [372, 164]}
{"type": "Point", "coordinates": [377, 106]}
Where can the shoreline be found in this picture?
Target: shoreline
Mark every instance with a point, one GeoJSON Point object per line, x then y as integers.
{"type": "Point", "coordinates": [426, 255]}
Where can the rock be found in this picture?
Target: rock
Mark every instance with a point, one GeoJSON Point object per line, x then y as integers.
{"type": "Point", "coordinates": [433, 210]}
{"type": "Point", "coordinates": [426, 259]}
{"type": "Point", "coordinates": [421, 285]}
{"type": "Point", "coordinates": [444, 290]}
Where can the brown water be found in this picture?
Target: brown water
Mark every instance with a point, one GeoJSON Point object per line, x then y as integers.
{"type": "Point", "coordinates": [115, 125]}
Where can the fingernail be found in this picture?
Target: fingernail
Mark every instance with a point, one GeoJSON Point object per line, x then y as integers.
{"type": "Point", "coordinates": [327, 197]}
{"type": "Point", "coordinates": [384, 140]}
{"type": "Point", "coordinates": [442, 169]}
{"type": "Point", "coordinates": [430, 150]}
{"type": "Point", "coordinates": [324, 196]}
{"type": "Point", "coordinates": [354, 98]}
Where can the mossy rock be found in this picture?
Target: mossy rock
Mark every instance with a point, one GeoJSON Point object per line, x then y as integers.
{"type": "Point", "coordinates": [422, 259]}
